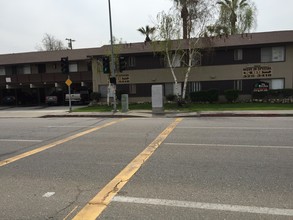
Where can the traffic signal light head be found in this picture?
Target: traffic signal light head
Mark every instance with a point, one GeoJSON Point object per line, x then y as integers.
{"type": "Point", "coordinates": [113, 80]}
{"type": "Point", "coordinates": [122, 64]}
{"type": "Point", "coordinates": [64, 65]}
{"type": "Point", "coordinates": [106, 65]}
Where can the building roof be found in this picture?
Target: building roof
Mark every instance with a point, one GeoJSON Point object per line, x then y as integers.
{"type": "Point", "coordinates": [249, 39]}
{"type": "Point", "coordinates": [46, 56]}
{"type": "Point", "coordinates": [276, 37]}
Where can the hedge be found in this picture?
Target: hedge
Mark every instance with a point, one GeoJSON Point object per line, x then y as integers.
{"type": "Point", "coordinates": [273, 94]}
{"type": "Point", "coordinates": [231, 95]}
{"type": "Point", "coordinates": [205, 96]}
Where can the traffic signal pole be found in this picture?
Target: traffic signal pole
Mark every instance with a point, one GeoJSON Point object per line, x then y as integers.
{"type": "Point", "coordinates": [112, 60]}
{"type": "Point", "coordinates": [65, 70]}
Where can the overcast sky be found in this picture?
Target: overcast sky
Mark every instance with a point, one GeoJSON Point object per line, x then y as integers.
{"type": "Point", "coordinates": [23, 23]}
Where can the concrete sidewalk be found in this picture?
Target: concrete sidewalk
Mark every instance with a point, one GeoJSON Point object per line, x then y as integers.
{"type": "Point", "coordinates": [63, 112]}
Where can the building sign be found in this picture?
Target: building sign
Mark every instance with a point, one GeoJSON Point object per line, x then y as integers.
{"type": "Point", "coordinates": [123, 78]}
{"type": "Point", "coordinates": [261, 87]}
{"type": "Point", "coordinates": [8, 79]}
{"type": "Point", "coordinates": [257, 72]}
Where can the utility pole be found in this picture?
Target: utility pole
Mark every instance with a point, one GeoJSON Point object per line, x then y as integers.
{"type": "Point", "coordinates": [70, 42]}
{"type": "Point", "coordinates": [113, 76]}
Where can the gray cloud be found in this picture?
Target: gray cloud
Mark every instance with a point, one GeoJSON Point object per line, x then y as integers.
{"type": "Point", "coordinates": [23, 23]}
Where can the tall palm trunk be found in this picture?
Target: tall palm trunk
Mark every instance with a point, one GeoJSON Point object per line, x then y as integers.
{"type": "Point", "coordinates": [184, 16]}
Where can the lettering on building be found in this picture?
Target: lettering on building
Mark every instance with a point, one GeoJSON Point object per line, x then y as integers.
{"type": "Point", "coordinates": [123, 78]}
{"type": "Point", "coordinates": [257, 72]}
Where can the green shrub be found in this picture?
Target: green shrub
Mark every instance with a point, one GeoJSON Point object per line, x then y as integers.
{"type": "Point", "coordinates": [171, 98]}
{"type": "Point", "coordinates": [212, 95]}
{"type": "Point", "coordinates": [95, 96]}
{"type": "Point", "coordinates": [259, 95]}
{"type": "Point", "coordinates": [198, 96]}
{"type": "Point", "coordinates": [205, 96]}
{"type": "Point", "coordinates": [273, 94]}
{"type": "Point", "coordinates": [231, 95]}
{"type": "Point", "coordinates": [287, 93]}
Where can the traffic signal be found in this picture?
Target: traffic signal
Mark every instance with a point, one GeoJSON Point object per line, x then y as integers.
{"type": "Point", "coordinates": [106, 65]}
{"type": "Point", "coordinates": [64, 65]}
{"type": "Point", "coordinates": [122, 64]}
{"type": "Point", "coordinates": [113, 80]}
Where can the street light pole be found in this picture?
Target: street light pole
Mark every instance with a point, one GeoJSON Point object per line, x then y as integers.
{"type": "Point", "coordinates": [112, 58]}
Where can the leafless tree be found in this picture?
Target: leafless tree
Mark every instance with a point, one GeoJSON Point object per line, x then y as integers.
{"type": "Point", "coordinates": [50, 43]}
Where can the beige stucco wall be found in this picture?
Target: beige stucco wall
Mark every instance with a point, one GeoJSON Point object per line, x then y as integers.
{"type": "Point", "coordinates": [206, 73]}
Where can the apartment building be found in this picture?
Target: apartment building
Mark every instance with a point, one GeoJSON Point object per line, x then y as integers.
{"type": "Point", "coordinates": [229, 62]}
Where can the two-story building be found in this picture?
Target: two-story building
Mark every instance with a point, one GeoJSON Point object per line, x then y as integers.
{"type": "Point", "coordinates": [233, 62]}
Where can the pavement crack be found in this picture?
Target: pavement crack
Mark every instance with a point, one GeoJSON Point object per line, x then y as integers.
{"type": "Point", "coordinates": [79, 192]}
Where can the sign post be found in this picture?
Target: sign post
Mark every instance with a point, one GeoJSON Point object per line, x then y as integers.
{"type": "Point", "coordinates": [68, 83]}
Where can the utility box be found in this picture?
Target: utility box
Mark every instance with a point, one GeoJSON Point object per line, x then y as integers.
{"type": "Point", "coordinates": [157, 99]}
{"type": "Point", "coordinates": [124, 102]}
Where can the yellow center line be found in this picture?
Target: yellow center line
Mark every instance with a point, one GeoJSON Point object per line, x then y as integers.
{"type": "Point", "coordinates": [96, 206]}
{"type": "Point", "coordinates": [54, 144]}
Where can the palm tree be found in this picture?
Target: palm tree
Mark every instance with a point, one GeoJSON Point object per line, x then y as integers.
{"type": "Point", "coordinates": [147, 31]}
{"type": "Point", "coordinates": [237, 16]}
{"type": "Point", "coordinates": [184, 15]}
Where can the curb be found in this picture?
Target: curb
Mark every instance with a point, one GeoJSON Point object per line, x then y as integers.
{"type": "Point", "coordinates": [245, 115]}
{"type": "Point", "coordinates": [168, 115]}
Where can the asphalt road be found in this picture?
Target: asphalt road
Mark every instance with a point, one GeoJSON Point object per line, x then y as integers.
{"type": "Point", "coordinates": [202, 168]}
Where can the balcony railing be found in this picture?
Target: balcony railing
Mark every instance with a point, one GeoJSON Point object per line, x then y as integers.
{"type": "Point", "coordinates": [45, 78]}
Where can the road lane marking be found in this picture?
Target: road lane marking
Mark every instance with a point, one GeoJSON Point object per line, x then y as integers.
{"type": "Point", "coordinates": [205, 206]}
{"type": "Point", "coordinates": [56, 143]}
{"type": "Point", "coordinates": [230, 145]}
{"type": "Point", "coordinates": [73, 210]}
{"type": "Point", "coordinates": [70, 126]}
{"type": "Point", "coordinates": [18, 140]}
{"type": "Point", "coordinates": [238, 128]}
{"type": "Point", "coordinates": [96, 206]}
{"type": "Point", "coordinates": [48, 194]}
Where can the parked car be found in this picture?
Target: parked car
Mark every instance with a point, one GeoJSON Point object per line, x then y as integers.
{"type": "Point", "coordinates": [51, 100]}
{"type": "Point", "coordinates": [9, 100]}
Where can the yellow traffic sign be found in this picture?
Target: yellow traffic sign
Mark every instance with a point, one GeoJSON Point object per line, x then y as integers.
{"type": "Point", "coordinates": [68, 82]}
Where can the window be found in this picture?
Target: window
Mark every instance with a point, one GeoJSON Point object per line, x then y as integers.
{"type": "Point", "coordinates": [2, 71]}
{"type": "Point", "coordinates": [132, 89]}
{"type": "Point", "coordinates": [170, 89]}
{"type": "Point", "coordinates": [194, 86]}
{"type": "Point", "coordinates": [238, 85]}
{"type": "Point", "coordinates": [131, 62]}
{"type": "Point", "coordinates": [175, 61]}
{"type": "Point", "coordinates": [26, 69]}
{"type": "Point", "coordinates": [238, 54]}
{"type": "Point", "coordinates": [272, 54]}
{"type": "Point", "coordinates": [19, 70]}
{"type": "Point", "coordinates": [196, 61]}
{"type": "Point", "coordinates": [41, 68]}
{"type": "Point", "coordinates": [277, 83]}
{"type": "Point", "coordinates": [73, 67]}
{"type": "Point", "coordinates": [278, 54]}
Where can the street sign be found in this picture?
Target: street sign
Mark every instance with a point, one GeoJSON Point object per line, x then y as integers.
{"type": "Point", "coordinates": [68, 82]}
